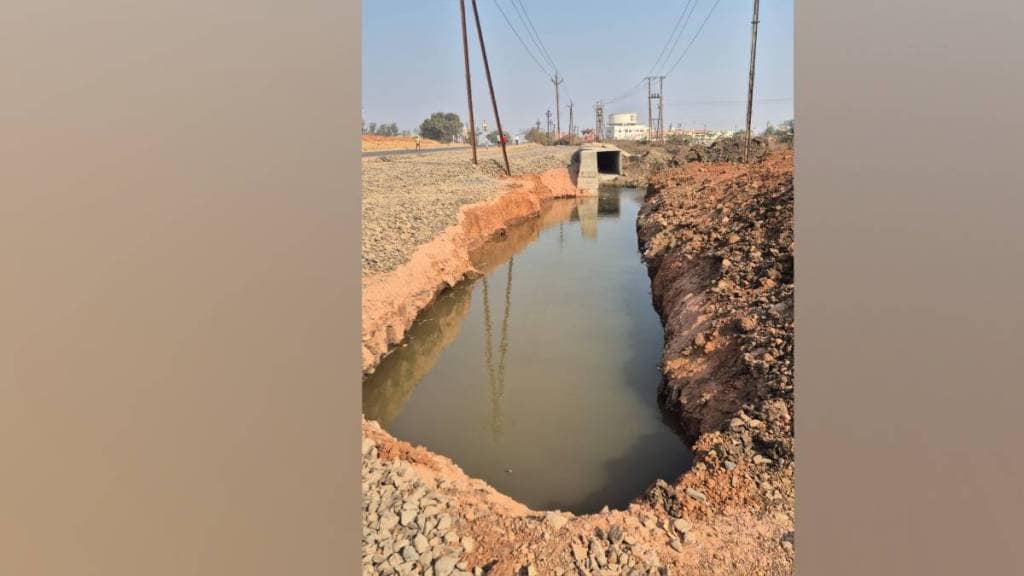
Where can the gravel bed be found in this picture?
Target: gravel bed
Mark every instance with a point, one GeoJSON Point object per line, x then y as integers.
{"type": "Point", "coordinates": [408, 526]}
{"type": "Point", "coordinates": [408, 200]}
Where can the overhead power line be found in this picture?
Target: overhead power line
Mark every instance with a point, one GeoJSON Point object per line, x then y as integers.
{"type": "Point", "coordinates": [677, 33]}
{"type": "Point", "coordinates": [536, 37]}
{"type": "Point", "coordinates": [694, 39]}
{"type": "Point", "coordinates": [635, 89]}
{"type": "Point", "coordinates": [714, 102]}
{"type": "Point", "coordinates": [521, 41]}
{"type": "Point", "coordinates": [687, 11]}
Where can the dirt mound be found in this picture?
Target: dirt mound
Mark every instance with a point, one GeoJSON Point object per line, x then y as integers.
{"type": "Point", "coordinates": [718, 238]}
{"type": "Point", "coordinates": [644, 159]}
{"type": "Point", "coordinates": [728, 149]}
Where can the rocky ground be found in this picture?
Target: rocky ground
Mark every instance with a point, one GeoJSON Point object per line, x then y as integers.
{"type": "Point", "coordinates": [718, 239]}
{"type": "Point", "coordinates": [644, 159]}
{"type": "Point", "coordinates": [410, 199]}
{"type": "Point", "coordinates": [408, 527]}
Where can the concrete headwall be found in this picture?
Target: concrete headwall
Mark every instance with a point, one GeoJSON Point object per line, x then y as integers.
{"type": "Point", "coordinates": [591, 169]}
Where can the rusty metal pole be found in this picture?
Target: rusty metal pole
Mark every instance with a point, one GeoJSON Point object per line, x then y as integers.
{"type": "Point", "coordinates": [490, 86]}
{"type": "Point", "coordinates": [469, 86]}
{"type": "Point", "coordinates": [750, 85]}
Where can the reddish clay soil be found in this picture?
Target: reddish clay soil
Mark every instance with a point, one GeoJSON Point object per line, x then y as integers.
{"type": "Point", "coordinates": [373, 142]}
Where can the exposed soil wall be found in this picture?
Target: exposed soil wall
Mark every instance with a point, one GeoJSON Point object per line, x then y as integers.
{"type": "Point", "coordinates": [718, 239]}
{"type": "Point", "coordinates": [392, 300]}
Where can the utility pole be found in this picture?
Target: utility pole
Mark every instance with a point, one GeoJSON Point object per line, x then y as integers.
{"type": "Point", "coordinates": [572, 127]}
{"type": "Point", "coordinates": [469, 85]}
{"type": "Point", "coordinates": [490, 85]}
{"type": "Point", "coordinates": [558, 111]}
{"type": "Point", "coordinates": [599, 121]}
{"type": "Point", "coordinates": [650, 117]}
{"type": "Point", "coordinates": [661, 109]}
{"type": "Point", "coordinates": [750, 85]}
{"type": "Point", "coordinates": [655, 127]}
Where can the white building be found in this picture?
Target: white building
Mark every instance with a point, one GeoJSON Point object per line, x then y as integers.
{"type": "Point", "coordinates": [624, 126]}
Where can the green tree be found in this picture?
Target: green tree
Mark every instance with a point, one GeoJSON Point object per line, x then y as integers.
{"type": "Point", "coordinates": [493, 137]}
{"type": "Point", "coordinates": [441, 126]}
{"type": "Point", "coordinates": [373, 128]}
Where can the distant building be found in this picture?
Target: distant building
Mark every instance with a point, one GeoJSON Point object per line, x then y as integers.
{"type": "Point", "coordinates": [624, 126]}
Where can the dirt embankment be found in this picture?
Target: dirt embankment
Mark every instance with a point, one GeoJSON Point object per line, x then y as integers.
{"type": "Point", "coordinates": [392, 300]}
{"type": "Point", "coordinates": [718, 239]}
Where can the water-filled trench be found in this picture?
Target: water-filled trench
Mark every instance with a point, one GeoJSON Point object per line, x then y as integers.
{"type": "Point", "coordinates": [541, 376]}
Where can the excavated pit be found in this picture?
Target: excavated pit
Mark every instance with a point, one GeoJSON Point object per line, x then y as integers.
{"type": "Point", "coordinates": [540, 377]}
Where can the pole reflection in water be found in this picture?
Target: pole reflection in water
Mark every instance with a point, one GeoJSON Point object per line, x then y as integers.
{"type": "Point", "coordinates": [496, 376]}
{"type": "Point", "coordinates": [573, 413]}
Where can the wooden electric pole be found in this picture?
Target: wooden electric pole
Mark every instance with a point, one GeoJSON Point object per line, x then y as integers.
{"type": "Point", "coordinates": [469, 85]}
{"type": "Point", "coordinates": [572, 127]}
{"type": "Point", "coordinates": [750, 85]}
{"type": "Point", "coordinates": [490, 86]}
{"type": "Point", "coordinates": [558, 111]}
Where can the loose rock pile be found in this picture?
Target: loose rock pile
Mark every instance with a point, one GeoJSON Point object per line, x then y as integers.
{"type": "Point", "coordinates": [408, 526]}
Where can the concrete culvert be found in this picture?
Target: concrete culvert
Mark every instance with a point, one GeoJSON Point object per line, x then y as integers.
{"type": "Point", "coordinates": [598, 162]}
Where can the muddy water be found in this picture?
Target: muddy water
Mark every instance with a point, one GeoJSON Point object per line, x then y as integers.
{"type": "Point", "coordinates": [541, 376]}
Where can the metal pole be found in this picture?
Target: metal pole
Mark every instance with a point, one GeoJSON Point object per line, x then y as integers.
{"type": "Point", "coordinates": [469, 86]}
{"type": "Point", "coordinates": [558, 109]}
{"type": "Point", "coordinates": [750, 85]}
{"type": "Point", "coordinates": [650, 119]}
{"type": "Point", "coordinates": [661, 109]}
{"type": "Point", "coordinates": [490, 85]}
{"type": "Point", "coordinates": [572, 129]}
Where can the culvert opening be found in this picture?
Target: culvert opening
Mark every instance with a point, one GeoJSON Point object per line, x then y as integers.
{"type": "Point", "coordinates": [541, 376]}
{"type": "Point", "coordinates": [609, 162]}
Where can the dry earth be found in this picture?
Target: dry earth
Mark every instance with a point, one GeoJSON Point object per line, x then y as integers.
{"type": "Point", "coordinates": [718, 241]}
{"type": "Point", "coordinates": [409, 199]}
{"type": "Point", "coordinates": [373, 143]}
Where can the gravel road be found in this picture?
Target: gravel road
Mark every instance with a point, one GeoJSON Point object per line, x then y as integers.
{"type": "Point", "coordinates": [410, 199]}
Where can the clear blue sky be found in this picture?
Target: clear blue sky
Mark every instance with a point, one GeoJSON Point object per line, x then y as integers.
{"type": "Point", "coordinates": [412, 60]}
